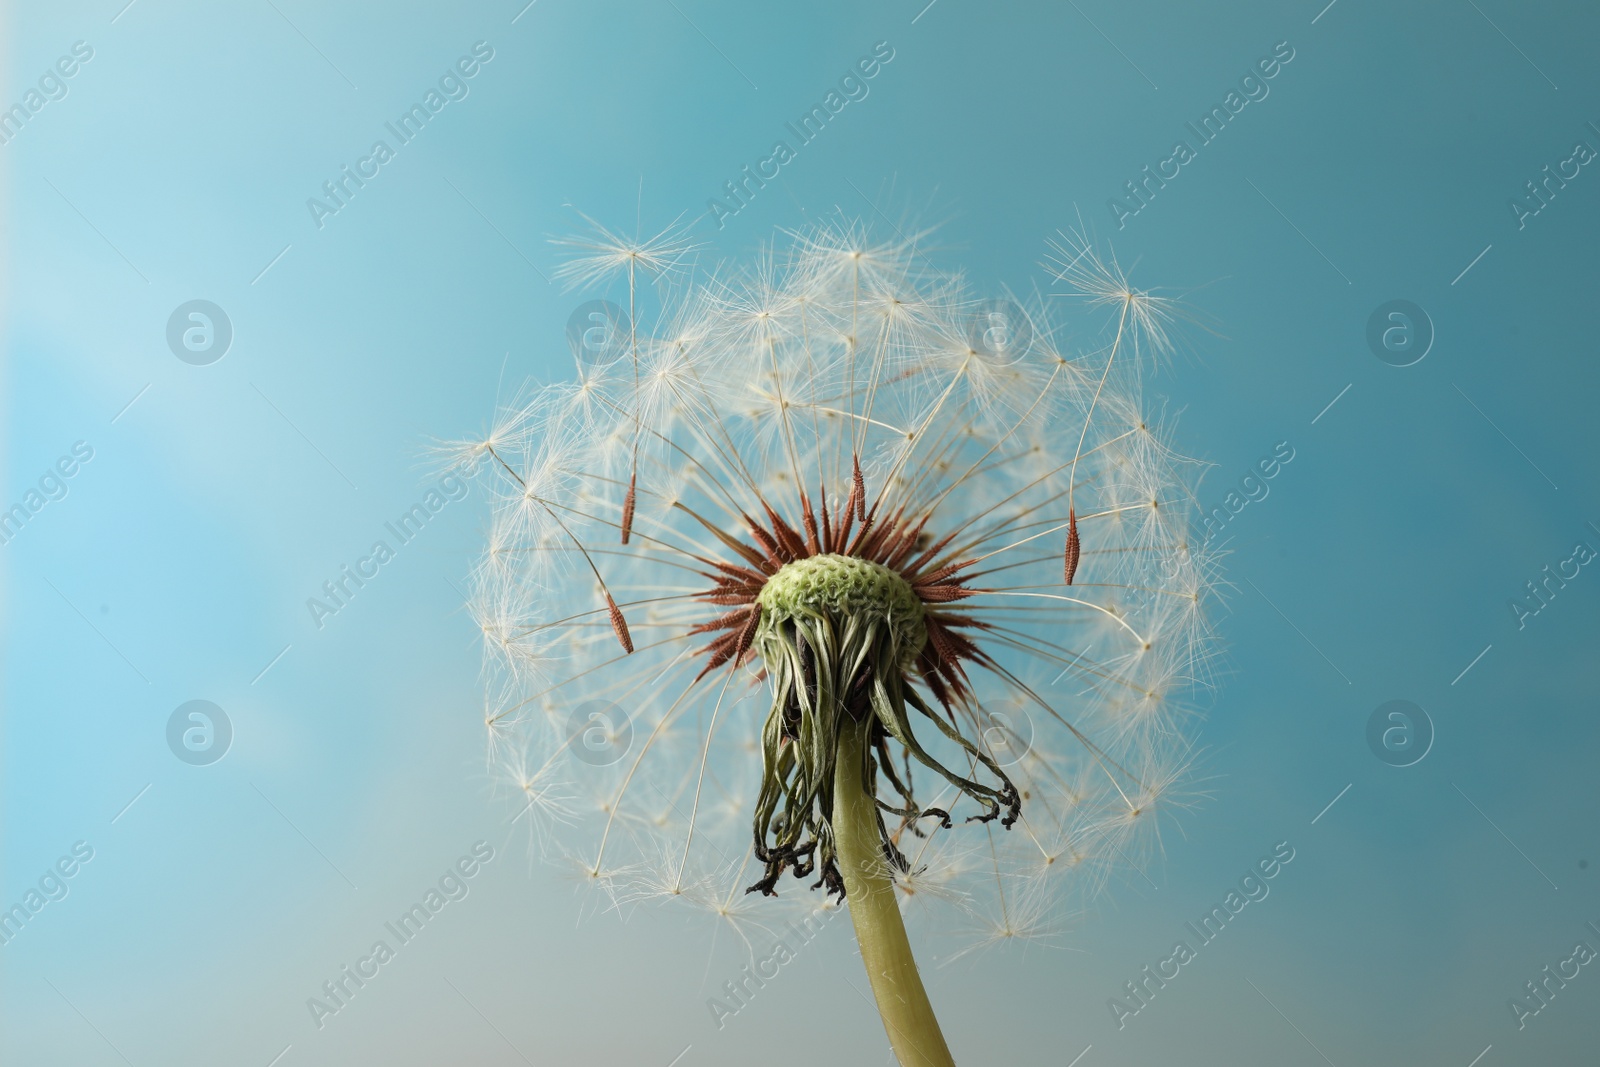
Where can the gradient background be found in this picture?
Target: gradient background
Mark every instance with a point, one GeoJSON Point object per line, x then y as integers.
{"type": "Point", "coordinates": [1384, 560]}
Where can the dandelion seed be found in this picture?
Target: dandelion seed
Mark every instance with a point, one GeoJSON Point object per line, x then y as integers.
{"type": "Point", "coordinates": [819, 520]}
{"type": "Point", "coordinates": [1074, 547]}
{"type": "Point", "coordinates": [629, 502]}
{"type": "Point", "coordinates": [619, 625]}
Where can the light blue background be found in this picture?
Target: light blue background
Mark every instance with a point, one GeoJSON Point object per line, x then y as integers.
{"type": "Point", "coordinates": [177, 567]}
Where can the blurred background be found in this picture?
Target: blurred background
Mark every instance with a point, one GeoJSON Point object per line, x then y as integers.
{"type": "Point", "coordinates": [219, 392]}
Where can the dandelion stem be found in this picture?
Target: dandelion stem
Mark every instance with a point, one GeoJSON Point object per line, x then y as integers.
{"type": "Point", "coordinates": [907, 1015]}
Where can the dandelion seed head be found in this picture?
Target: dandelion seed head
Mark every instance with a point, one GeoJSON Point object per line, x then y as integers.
{"type": "Point", "coordinates": [808, 496]}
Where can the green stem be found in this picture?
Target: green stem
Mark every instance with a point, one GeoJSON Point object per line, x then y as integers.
{"type": "Point", "coordinates": [869, 890]}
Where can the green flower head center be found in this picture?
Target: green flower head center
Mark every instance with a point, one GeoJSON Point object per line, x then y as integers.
{"type": "Point", "coordinates": [845, 590]}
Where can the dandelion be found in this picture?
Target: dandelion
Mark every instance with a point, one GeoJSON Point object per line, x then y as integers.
{"type": "Point", "coordinates": [872, 597]}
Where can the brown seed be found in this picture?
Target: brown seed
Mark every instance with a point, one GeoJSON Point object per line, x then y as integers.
{"type": "Point", "coordinates": [1074, 547]}
{"type": "Point", "coordinates": [858, 490]}
{"type": "Point", "coordinates": [627, 508]}
{"type": "Point", "coordinates": [787, 536]}
{"type": "Point", "coordinates": [722, 622]}
{"type": "Point", "coordinates": [930, 553]}
{"type": "Point", "coordinates": [619, 625]}
{"type": "Point", "coordinates": [905, 541]}
{"type": "Point", "coordinates": [769, 543]}
{"type": "Point", "coordinates": [747, 635]}
{"type": "Point", "coordinates": [847, 522]}
{"type": "Point", "coordinates": [942, 592]}
{"type": "Point", "coordinates": [939, 576]}
{"type": "Point", "coordinates": [809, 519]}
